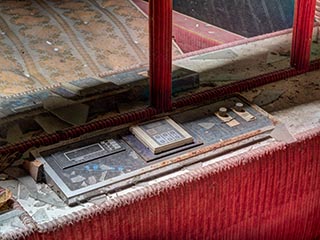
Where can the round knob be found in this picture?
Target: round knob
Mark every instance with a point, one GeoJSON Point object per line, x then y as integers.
{"type": "Point", "coordinates": [223, 112]}
{"type": "Point", "coordinates": [239, 107]}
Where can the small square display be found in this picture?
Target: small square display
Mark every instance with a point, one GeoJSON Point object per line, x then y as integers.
{"type": "Point", "coordinates": [162, 135]}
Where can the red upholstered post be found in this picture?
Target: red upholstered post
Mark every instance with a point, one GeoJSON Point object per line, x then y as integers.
{"type": "Point", "coordinates": [160, 28]}
{"type": "Point", "coordinates": [302, 33]}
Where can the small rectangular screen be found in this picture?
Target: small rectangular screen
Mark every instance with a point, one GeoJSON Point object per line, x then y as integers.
{"type": "Point", "coordinates": [80, 152]}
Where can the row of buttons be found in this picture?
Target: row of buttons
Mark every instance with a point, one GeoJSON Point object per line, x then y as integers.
{"type": "Point", "coordinates": [111, 145]}
{"type": "Point", "coordinates": [167, 137]}
{"type": "Point", "coordinates": [238, 108]}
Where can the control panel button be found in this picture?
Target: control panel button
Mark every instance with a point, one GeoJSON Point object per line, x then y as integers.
{"type": "Point", "coordinates": [223, 112]}
{"type": "Point", "coordinates": [239, 107]}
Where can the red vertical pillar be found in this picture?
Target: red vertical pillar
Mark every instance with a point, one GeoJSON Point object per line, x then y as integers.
{"type": "Point", "coordinates": [160, 35]}
{"type": "Point", "coordinates": [302, 33]}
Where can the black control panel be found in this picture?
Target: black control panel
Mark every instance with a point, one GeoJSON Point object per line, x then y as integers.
{"type": "Point", "coordinates": [107, 162]}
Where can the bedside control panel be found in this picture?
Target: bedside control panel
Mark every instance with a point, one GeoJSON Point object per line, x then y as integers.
{"type": "Point", "coordinates": [112, 160]}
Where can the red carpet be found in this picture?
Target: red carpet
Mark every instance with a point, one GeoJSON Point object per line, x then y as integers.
{"type": "Point", "coordinates": [270, 193]}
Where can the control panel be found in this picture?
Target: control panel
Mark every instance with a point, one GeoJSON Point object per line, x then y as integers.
{"type": "Point", "coordinates": [110, 161]}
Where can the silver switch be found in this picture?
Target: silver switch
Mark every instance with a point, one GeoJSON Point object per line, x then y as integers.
{"type": "Point", "coordinates": [239, 107]}
{"type": "Point", "coordinates": [223, 112]}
